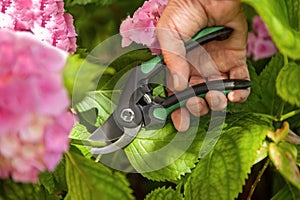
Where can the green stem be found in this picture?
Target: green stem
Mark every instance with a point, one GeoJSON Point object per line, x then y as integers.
{"type": "Point", "coordinates": [257, 180]}
{"type": "Point", "coordinates": [285, 60]}
{"type": "Point", "coordinates": [87, 143]}
{"type": "Point", "coordinates": [290, 114]}
{"type": "Point", "coordinates": [280, 111]}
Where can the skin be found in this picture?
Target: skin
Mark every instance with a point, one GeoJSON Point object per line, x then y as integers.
{"type": "Point", "coordinates": [181, 20]}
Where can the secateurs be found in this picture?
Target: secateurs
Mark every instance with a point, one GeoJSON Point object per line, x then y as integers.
{"type": "Point", "coordinates": [138, 109]}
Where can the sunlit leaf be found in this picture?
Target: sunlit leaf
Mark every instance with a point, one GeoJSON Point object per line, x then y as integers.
{"type": "Point", "coordinates": [164, 194]}
{"type": "Point", "coordinates": [221, 174]}
{"type": "Point", "coordinates": [288, 84]}
{"type": "Point", "coordinates": [87, 179]}
{"type": "Point", "coordinates": [166, 154]}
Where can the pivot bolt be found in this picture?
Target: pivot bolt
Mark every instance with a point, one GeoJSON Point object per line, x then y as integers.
{"type": "Point", "coordinates": [127, 115]}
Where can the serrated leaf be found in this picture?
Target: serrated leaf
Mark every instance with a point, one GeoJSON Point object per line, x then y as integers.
{"type": "Point", "coordinates": [54, 182]}
{"type": "Point", "coordinates": [263, 97]}
{"type": "Point", "coordinates": [221, 174]}
{"type": "Point", "coordinates": [283, 157]}
{"type": "Point", "coordinates": [87, 179]}
{"type": "Point", "coordinates": [267, 82]}
{"type": "Point", "coordinates": [276, 15]}
{"type": "Point", "coordinates": [164, 194]}
{"type": "Point", "coordinates": [287, 192]}
{"type": "Point", "coordinates": [288, 84]}
{"type": "Point", "coordinates": [10, 190]}
{"type": "Point", "coordinates": [165, 154]}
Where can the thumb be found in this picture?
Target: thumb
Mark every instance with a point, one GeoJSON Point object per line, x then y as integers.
{"type": "Point", "coordinates": [174, 53]}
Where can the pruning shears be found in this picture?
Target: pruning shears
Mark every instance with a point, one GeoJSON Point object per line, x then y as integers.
{"type": "Point", "coordinates": [138, 109]}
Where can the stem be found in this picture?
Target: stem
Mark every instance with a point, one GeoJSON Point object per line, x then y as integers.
{"type": "Point", "coordinates": [285, 60]}
{"type": "Point", "coordinates": [87, 143]}
{"type": "Point", "coordinates": [292, 138]}
{"type": "Point", "coordinates": [290, 114]}
{"type": "Point", "coordinates": [280, 111]}
{"type": "Point", "coordinates": [257, 180]}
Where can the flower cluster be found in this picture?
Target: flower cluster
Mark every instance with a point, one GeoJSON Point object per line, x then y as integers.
{"type": "Point", "coordinates": [260, 44]}
{"type": "Point", "coordinates": [34, 121]}
{"type": "Point", "coordinates": [44, 18]}
{"type": "Point", "coordinates": [141, 27]}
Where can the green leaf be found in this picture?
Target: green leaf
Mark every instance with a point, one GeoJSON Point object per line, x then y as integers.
{"type": "Point", "coordinates": [104, 101]}
{"type": "Point", "coordinates": [279, 18]}
{"type": "Point", "coordinates": [288, 84]}
{"type": "Point", "coordinates": [267, 81]}
{"type": "Point", "coordinates": [123, 64]}
{"type": "Point", "coordinates": [164, 194]}
{"type": "Point", "coordinates": [87, 179]}
{"type": "Point", "coordinates": [263, 97]}
{"type": "Point", "coordinates": [80, 132]}
{"type": "Point", "coordinates": [10, 190]}
{"type": "Point", "coordinates": [165, 154]}
{"type": "Point", "coordinates": [80, 76]}
{"type": "Point", "coordinates": [221, 174]}
{"type": "Point", "coordinates": [293, 13]}
{"type": "Point", "coordinates": [283, 156]}
{"type": "Point", "coordinates": [287, 192]}
{"type": "Point", "coordinates": [54, 182]}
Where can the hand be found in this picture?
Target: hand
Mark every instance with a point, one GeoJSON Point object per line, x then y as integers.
{"type": "Point", "coordinates": [182, 19]}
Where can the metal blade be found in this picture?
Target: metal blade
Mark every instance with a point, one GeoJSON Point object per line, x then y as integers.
{"type": "Point", "coordinates": [108, 131]}
{"type": "Point", "coordinates": [123, 141]}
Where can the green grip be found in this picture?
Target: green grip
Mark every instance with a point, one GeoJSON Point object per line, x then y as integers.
{"type": "Point", "coordinates": [162, 113]}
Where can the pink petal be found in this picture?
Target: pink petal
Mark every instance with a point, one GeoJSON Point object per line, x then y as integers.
{"type": "Point", "coordinates": [260, 28]}
{"type": "Point", "coordinates": [263, 49]}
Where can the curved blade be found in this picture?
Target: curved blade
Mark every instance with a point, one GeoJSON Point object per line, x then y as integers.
{"type": "Point", "coordinates": [108, 131]}
{"type": "Point", "coordinates": [123, 141]}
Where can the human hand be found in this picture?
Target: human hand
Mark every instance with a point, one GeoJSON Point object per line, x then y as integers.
{"type": "Point", "coordinates": [182, 19]}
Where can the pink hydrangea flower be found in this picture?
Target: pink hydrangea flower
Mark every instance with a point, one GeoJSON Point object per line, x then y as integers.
{"type": "Point", "coordinates": [260, 44]}
{"type": "Point", "coordinates": [44, 18]}
{"type": "Point", "coordinates": [141, 27]}
{"type": "Point", "coordinates": [34, 121]}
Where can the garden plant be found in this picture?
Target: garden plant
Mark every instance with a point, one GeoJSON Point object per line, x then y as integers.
{"type": "Point", "coordinates": [62, 64]}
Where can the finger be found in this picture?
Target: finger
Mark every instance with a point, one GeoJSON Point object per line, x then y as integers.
{"type": "Point", "coordinates": [216, 100]}
{"type": "Point", "coordinates": [173, 51]}
{"type": "Point", "coordinates": [197, 106]}
{"type": "Point", "coordinates": [181, 119]}
{"type": "Point", "coordinates": [239, 72]}
{"type": "Point", "coordinates": [201, 62]}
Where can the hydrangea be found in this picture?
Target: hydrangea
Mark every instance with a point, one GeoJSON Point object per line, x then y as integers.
{"type": "Point", "coordinates": [34, 121]}
{"type": "Point", "coordinates": [141, 27]}
{"type": "Point", "coordinates": [260, 44]}
{"type": "Point", "coordinates": [44, 18]}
